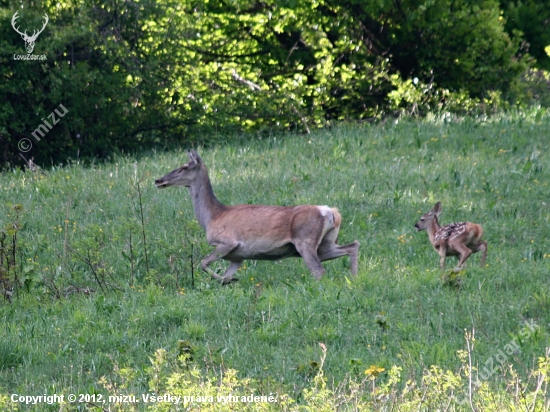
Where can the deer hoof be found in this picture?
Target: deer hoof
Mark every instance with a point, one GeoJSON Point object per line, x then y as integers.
{"type": "Point", "coordinates": [228, 281]}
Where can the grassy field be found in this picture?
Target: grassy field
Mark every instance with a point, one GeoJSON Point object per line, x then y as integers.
{"type": "Point", "coordinates": [109, 263]}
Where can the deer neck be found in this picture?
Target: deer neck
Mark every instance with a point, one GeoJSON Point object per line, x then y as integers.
{"type": "Point", "coordinates": [432, 229]}
{"type": "Point", "coordinates": [205, 204]}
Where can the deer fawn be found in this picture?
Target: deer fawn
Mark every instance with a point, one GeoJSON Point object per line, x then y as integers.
{"type": "Point", "coordinates": [456, 239]}
{"type": "Point", "coordinates": [259, 232]}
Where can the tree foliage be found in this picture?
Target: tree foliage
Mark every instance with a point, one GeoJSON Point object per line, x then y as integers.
{"type": "Point", "coordinates": [141, 73]}
{"type": "Point", "coordinates": [532, 19]}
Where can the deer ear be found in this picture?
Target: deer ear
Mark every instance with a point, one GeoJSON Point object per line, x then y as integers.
{"type": "Point", "coordinates": [437, 209]}
{"type": "Point", "coordinates": [194, 157]}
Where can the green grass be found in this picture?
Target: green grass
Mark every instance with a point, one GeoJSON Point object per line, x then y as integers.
{"type": "Point", "coordinates": [79, 221]}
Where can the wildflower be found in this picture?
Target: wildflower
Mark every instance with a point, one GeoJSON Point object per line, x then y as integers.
{"type": "Point", "coordinates": [374, 371]}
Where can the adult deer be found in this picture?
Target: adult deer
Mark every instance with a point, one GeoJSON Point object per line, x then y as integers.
{"type": "Point", "coordinates": [29, 40]}
{"type": "Point", "coordinates": [456, 239]}
{"type": "Point", "coordinates": [259, 232]}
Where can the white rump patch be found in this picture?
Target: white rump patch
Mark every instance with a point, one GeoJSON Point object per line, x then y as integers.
{"type": "Point", "coordinates": [326, 212]}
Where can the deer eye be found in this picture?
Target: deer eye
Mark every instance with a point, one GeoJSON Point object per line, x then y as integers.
{"type": "Point", "coordinates": [421, 219]}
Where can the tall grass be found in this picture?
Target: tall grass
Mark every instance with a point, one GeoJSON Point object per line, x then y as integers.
{"type": "Point", "coordinates": [87, 306]}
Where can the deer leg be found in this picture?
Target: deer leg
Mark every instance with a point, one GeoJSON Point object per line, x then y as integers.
{"type": "Point", "coordinates": [333, 251]}
{"type": "Point", "coordinates": [313, 263]}
{"type": "Point", "coordinates": [464, 253]}
{"type": "Point", "coordinates": [218, 253]}
{"type": "Point", "coordinates": [442, 255]}
{"type": "Point", "coordinates": [483, 247]}
{"type": "Point", "coordinates": [228, 275]}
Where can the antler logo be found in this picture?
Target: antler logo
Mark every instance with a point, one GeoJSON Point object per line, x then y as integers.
{"type": "Point", "coordinates": [29, 40]}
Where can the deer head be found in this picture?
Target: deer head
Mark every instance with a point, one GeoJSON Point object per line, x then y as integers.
{"type": "Point", "coordinates": [184, 175]}
{"type": "Point", "coordinates": [29, 40]}
{"type": "Point", "coordinates": [427, 218]}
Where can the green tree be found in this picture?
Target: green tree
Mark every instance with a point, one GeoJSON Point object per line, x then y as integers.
{"type": "Point", "coordinates": [100, 66]}
{"type": "Point", "coordinates": [458, 44]}
{"type": "Point", "coordinates": [134, 74]}
{"type": "Point", "coordinates": [532, 19]}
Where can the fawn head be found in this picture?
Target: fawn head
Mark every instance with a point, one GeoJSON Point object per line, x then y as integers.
{"type": "Point", "coordinates": [427, 218]}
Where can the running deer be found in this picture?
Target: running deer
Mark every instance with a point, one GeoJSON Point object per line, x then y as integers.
{"type": "Point", "coordinates": [259, 232]}
{"type": "Point", "coordinates": [456, 239]}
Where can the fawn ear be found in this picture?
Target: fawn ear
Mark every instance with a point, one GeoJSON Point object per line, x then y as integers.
{"type": "Point", "coordinates": [437, 209]}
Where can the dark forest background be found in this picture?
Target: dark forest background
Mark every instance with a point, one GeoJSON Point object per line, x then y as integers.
{"type": "Point", "coordinates": [141, 74]}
